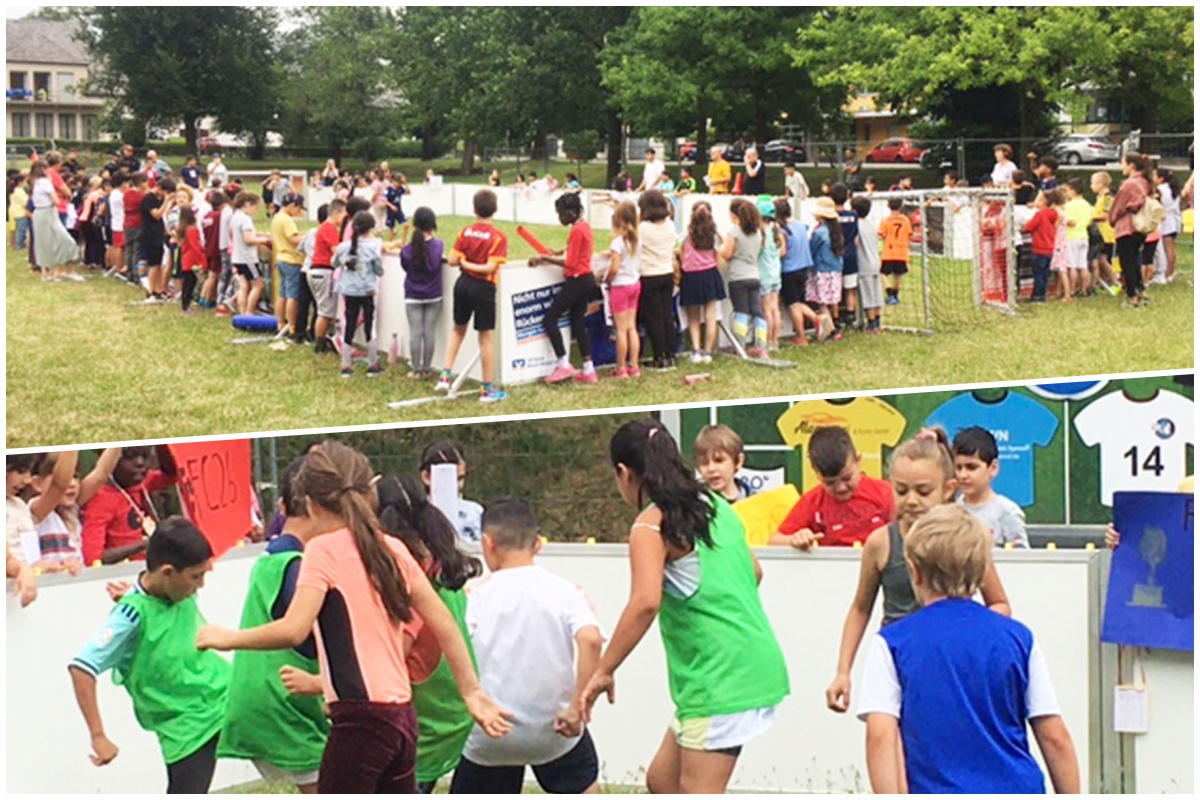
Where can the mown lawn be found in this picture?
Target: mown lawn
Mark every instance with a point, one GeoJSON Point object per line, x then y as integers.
{"type": "Point", "coordinates": [84, 365]}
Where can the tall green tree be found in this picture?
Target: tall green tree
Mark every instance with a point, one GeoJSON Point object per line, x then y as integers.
{"type": "Point", "coordinates": [169, 65]}
{"type": "Point", "coordinates": [672, 69]}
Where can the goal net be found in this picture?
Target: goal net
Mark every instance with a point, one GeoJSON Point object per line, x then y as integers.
{"type": "Point", "coordinates": [962, 259]}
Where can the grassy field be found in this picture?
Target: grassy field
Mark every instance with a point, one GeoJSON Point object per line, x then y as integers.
{"type": "Point", "coordinates": [85, 364]}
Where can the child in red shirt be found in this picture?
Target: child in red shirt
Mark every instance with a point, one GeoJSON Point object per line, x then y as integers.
{"type": "Point", "coordinates": [578, 290]}
{"type": "Point", "coordinates": [118, 520]}
{"type": "Point", "coordinates": [479, 253]}
{"type": "Point", "coordinates": [847, 505]}
{"type": "Point", "coordinates": [1044, 228]}
{"type": "Point", "coordinates": [192, 257]}
{"type": "Point", "coordinates": [211, 235]}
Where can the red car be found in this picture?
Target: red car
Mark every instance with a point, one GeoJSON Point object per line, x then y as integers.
{"type": "Point", "coordinates": [895, 151]}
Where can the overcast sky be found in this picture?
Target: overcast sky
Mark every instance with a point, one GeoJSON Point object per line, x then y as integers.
{"type": "Point", "coordinates": [12, 11]}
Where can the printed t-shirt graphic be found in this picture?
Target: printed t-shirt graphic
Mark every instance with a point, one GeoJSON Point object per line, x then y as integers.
{"type": "Point", "coordinates": [873, 425]}
{"type": "Point", "coordinates": [1019, 424]}
{"type": "Point", "coordinates": [1143, 443]}
{"type": "Point", "coordinates": [481, 243]}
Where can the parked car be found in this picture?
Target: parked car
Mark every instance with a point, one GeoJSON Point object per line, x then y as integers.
{"type": "Point", "coordinates": [781, 151]}
{"type": "Point", "coordinates": [686, 151]}
{"type": "Point", "coordinates": [940, 156]}
{"type": "Point", "coordinates": [895, 151]}
{"type": "Point", "coordinates": [209, 144]}
{"type": "Point", "coordinates": [733, 152]}
{"type": "Point", "coordinates": [1081, 148]}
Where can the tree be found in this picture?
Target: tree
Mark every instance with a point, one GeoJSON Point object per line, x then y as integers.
{"type": "Point", "coordinates": [168, 65]}
{"type": "Point", "coordinates": [339, 83]}
{"type": "Point", "coordinates": [672, 69]}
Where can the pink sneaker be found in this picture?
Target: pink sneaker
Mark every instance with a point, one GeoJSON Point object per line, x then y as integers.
{"type": "Point", "coordinates": [586, 377]}
{"type": "Point", "coordinates": [561, 374]}
{"type": "Point", "coordinates": [756, 352]}
{"type": "Point", "coordinates": [619, 372]}
{"type": "Point", "coordinates": [634, 372]}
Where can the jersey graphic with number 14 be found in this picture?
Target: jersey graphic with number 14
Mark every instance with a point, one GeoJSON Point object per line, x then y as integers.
{"type": "Point", "coordinates": [1143, 444]}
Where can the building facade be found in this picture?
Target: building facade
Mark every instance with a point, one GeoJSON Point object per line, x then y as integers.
{"type": "Point", "coordinates": [48, 71]}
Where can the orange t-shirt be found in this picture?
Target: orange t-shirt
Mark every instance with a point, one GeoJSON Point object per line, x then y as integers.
{"type": "Point", "coordinates": [896, 231]}
{"type": "Point", "coordinates": [481, 243]}
{"type": "Point", "coordinates": [360, 648]}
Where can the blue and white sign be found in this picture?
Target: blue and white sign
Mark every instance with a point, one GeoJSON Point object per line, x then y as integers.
{"type": "Point", "coordinates": [1068, 390]}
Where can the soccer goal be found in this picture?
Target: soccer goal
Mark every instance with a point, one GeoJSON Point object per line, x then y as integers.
{"type": "Point", "coordinates": [962, 259]}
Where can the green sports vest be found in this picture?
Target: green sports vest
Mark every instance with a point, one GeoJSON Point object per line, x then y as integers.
{"type": "Point", "coordinates": [442, 717]}
{"type": "Point", "coordinates": [264, 721]}
{"type": "Point", "coordinates": [722, 655]}
{"type": "Point", "coordinates": [178, 691]}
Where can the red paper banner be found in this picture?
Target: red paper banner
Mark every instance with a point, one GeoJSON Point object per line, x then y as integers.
{"type": "Point", "coordinates": [215, 485]}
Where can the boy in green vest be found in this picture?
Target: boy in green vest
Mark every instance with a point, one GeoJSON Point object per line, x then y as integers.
{"type": "Point", "coordinates": [282, 733]}
{"type": "Point", "coordinates": [149, 642]}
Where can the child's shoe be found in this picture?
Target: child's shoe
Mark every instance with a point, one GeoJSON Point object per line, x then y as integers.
{"type": "Point", "coordinates": [374, 371]}
{"type": "Point", "coordinates": [561, 374]}
{"type": "Point", "coordinates": [347, 372]}
{"type": "Point", "coordinates": [620, 373]}
{"type": "Point", "coordinates": [585, 377]}
{"type": "Point", "coordinates": [444, 382]}
{"type": "Point", "coordinates": [634, 372]}
{"type": "Point", "coordinates": [492, 395]}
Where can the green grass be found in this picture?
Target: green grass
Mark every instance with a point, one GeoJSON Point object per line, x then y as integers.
{"type": "Point", "coordinates": [84, 365]}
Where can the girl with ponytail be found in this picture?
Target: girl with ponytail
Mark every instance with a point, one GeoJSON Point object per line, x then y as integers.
{"type": "Point", "coordinates": [365, 590]}
{"type": "Point", "coordinates": [361, 263]}
{"type": "Point", "coordinates": [922, 473]}
{"type": "Point", "coordinates": [693, 571]}
{"type": "Point", "coordinates": [444, 723]}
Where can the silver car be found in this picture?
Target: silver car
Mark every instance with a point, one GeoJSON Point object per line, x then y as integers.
{"type": "Point", "coordinates": [1080, 148]}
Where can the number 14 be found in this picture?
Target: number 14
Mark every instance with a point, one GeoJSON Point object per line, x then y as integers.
{"type": "Point", "coordinates": [1153, 462]}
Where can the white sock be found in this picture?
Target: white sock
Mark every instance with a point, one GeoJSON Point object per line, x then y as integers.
{"type": "Point", "coordinates": [588, 367]}
{"type": "Point", "coordinates": [564, 362]}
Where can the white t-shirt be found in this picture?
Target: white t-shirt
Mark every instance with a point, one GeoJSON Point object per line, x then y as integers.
{"type": "Point", "coordinates": [656, 248]}
{"type": "Point", "coordinates": [523, 622]}
{"type": "Point", "coordinates": [116, 209]}
{"type": "Point", "coordinates": [1002, 173]}
{"type": "Point", "coordinates": [1004, 519]}
{"type": "Point", "coordinates": [218, 170]}
{"type": "Point", "coordinates": [1143, 445]}
{"type": "Point", "coordinates": [223, 228]}
{"type": "Point", "coordinates": [54, 525]}
{"type": "Point", "coordinates": [650, 175]}
{"type": "Point", "coordinates": [21, 531]}
{"type": "Point", "coordinates": [881, 693]}
{"type": "Point", "coordinates": [43, 194]}
{"type": "Point", "coordinates": [798, 189]}
{"type": "Point", "coordinates": [868, 244]}
{"type": "Point", "coordinates": [239, 224]}
{"type": "Point", "coordinates": [630, 270]}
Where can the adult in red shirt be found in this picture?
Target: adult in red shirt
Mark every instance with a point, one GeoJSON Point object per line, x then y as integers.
{"type": "Point", "coordinates": [133, 196]}
{"type": "Point", "coordinates": [577, 292]}
{"type": "Point", "coordinates": [54, 173]}
{"type": "Point", "coordinates": [847, 505]}
{"type": "Point", "coordinates": [320, 274]}
{"type": "Point", "coordinates": [1129, 200]}
{"type": "Point", "coordinates": [118, 521]}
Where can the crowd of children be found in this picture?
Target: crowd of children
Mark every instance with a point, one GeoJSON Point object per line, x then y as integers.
{"type": "Point", "coordinates": [361, 599]}
{"type": "Point", "coordinates": [176, 240]}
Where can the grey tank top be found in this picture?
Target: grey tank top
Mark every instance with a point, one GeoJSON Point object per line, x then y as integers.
{"type": "Point", "coordinates": [899, 600]}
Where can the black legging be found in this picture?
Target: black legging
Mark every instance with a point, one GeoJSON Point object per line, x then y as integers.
{"type": "Point", "coordinates": [1129, 250]}
{"type": "Point", "coordinates": [93, 244]}
{"type": "Point", "coordinates": [574, 297]}
{"type": "Point", "coordinates": [188, 289]}
{"type": "Point", "coordinates": [656, 313]}
{"type": "Point", "coordinates": [304, 306]}
{"type": "Point", "coordinates": [194, 774]}
{"type": "Point", "coordinates": [354, 305]}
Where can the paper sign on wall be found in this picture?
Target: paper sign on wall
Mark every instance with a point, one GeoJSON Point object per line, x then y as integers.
{"type": "Point", "coordinates": [443, 489]}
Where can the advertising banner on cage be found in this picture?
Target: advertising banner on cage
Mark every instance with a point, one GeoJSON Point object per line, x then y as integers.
{"type": "Point", "coordinates": [524, 295]}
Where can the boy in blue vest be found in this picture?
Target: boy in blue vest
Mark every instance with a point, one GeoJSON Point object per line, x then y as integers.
{"type": "Point", "coordinates": [149, 642]}
{"type": "Point", "coordinates": [947, 691]}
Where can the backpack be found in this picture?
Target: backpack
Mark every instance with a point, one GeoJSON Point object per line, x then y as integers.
{"type": "Point", "coordinates": [1147, 218]}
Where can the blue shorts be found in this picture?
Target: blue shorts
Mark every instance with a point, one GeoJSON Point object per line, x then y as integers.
{"type": "Point", "coordinates": [289, 280]}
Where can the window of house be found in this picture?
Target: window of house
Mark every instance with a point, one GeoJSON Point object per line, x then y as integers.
{"type": "Point", "coordinates": [41, 85]}
{"type": "Point", "coordinates": [91, 129]}
{"type": "Point", "coordinates": [45, 126]}
{"type": "Point", "coordinates": [66, 126]}
{"type": "Point", "coordinates": [18, 80]}
{"type": "Point", "coordinates": [20, 125]}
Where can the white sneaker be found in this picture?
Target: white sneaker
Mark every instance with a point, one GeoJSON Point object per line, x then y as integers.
{"type": "Point", "coordinates": [697, 357]}
{"type": "Point", "coordinates": [706, 358]}
{"type": "Point", "coordinates": [444, 384]}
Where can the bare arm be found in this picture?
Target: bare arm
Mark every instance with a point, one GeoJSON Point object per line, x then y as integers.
{"type": "Point", "coordinates": [60, 481]}
{"type": "Point", "coordinates": [24, 579]}
{"type": "Point", "coordinates": [993, 593]}
{"type": "Point", "coordinates": [103, 750]}
{"type": "Point", "coordinates": [1054, 740]}
{"type": "Point", "coordinates": [728, 245]}
{"type": "Point", "coordinates": [291, 630]}
{"type": "Point", "coordinates": [837, 696]}
{"type": "Point", "coordinates": [99, 475]}
{"type": "Point", "coordinates": [588, 644]}
{"type": "Point", "coordinates": [885, 755]}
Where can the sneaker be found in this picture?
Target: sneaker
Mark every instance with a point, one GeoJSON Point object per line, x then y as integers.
{"type": "Point", "coordinates": [75, 276]}
{"type": "Point", "coordinates": [561, 374]}
{"type": "Point", "coordinates": [374, 371]}
{"type": "Point", "coordinates": [445, 381]}
{"type": "Point", "coordinates": [619, 373]}
{"type": "Point", "coordinates": [836, 336]}
{"type": "Point", "coordinates": [152, 300]}
{"type": "Point", "coordinates": [756, 352]}
{"type": "Point", "coordinates": [705, 357]}
{"type": "Point", "coordinates": [634, 372]}
{"type": "Point", "coordinates": [800, 341]}
{"type": "Point", "coordinates": [221, 311]}
{"type": "Point", "coordinates": [696, 357]}
{"type": "Point", "coordinates": [347, 372]}
{"type": "Point", "coordinates": [492, 395]}
{"type": "Point", "coordinates": [585, 377]}
{"type": "Point", "coordinates": [823, 326]}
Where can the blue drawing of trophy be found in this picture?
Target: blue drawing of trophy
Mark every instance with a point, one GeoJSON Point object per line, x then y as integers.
{"type": "Point", "coordinates": [1153, 550]}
